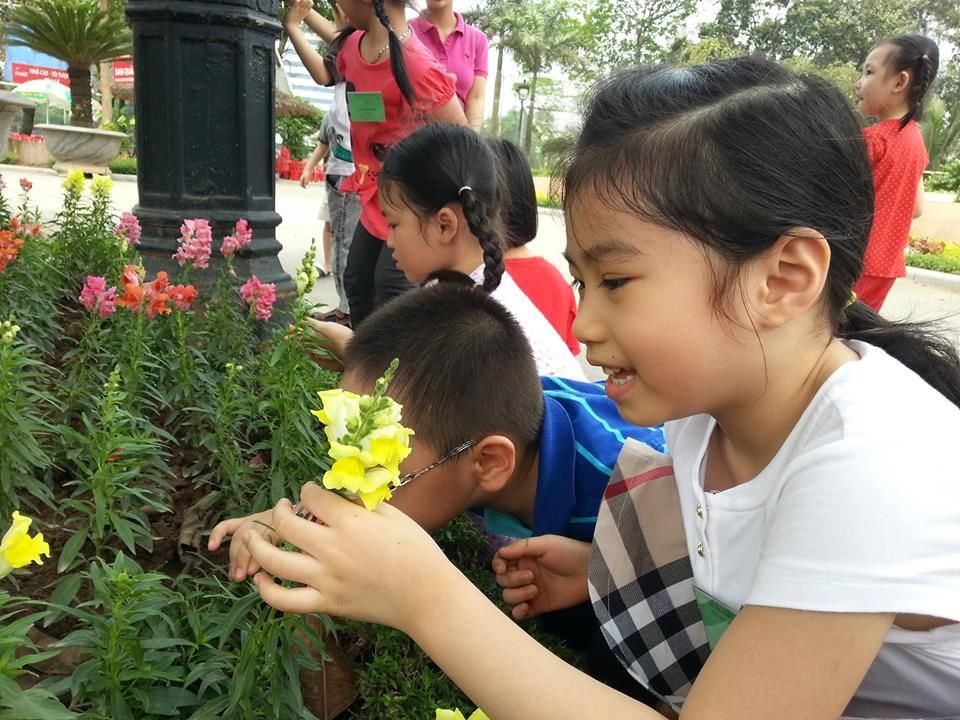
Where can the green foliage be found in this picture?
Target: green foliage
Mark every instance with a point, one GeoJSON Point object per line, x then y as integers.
{"type": "Point", "coordinates": [632, 32]}
{"type": "Point", "coordinates": [296, 133]}
{"type": "Point", "coordinates": [119, 477]}
{"type": "Point", "coordinates": [546, 201]}
{"type": "Point", "coordinates": [124, 166]}
{"type": "Point", "coordinates": [941, 130]}
{"type": "Point", "coordinates": [77, 32]}
{"type": "Point", "coordinates": [17, 653]}
{"type": "Point", "coordinates": [26, 431]}
{"type": "Point", "coordinates": [945, 179]}
{"type": "Point", "coordinates": [939, 263]}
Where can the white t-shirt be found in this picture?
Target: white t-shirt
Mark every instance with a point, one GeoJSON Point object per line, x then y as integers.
{"type": "Point", "coordinates": [858, 512]}
{"type": "Point", "coordinates": [551, 353]}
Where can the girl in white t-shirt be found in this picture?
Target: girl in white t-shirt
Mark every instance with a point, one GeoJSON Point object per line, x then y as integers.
{"type": "Point", "coordinates": [717, 219]}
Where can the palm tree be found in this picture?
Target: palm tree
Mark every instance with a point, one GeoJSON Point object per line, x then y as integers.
{"type": "Point", "coordinates": [77, 32]}
{"type": "Point", "coordinates": [544, 34]}
{"type": "Point", "coordinates": [499, 21]}
{"type": "Point", "coordinates": [941, 130]}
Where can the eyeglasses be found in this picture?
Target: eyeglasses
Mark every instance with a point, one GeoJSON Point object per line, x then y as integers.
{"type": "Point", "coordinates": [459, 449]}
{"type": "Point", "coordinates": [298, 509]}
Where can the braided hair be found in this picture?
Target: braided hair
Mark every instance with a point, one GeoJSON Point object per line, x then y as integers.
{"type": "Point", "coordinates": [918, 56]}
{"type": "Point", "coordinates": [397, 63]}
{"type": "Point", "coordinates": [439, 165]}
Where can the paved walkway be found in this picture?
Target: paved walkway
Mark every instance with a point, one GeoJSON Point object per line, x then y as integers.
{"type": "Point", "coordinates": [298, 207]}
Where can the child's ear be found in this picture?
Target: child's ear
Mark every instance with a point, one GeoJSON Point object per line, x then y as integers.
{"type": "Point", "coordinates": [493, 461]}
{"type": "Point", "coordinates": [447, 224]}
{"type": "Point", "coordinates": [903, 81]}
{"type": "Point", "coordinates": [790, 278]}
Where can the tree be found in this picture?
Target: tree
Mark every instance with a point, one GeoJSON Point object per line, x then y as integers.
{"type": "Point", "coordinates": [632, 32]}
{"type": "Point", "coordinates": [77, 32]}
{"type": "Point", "coordinates": [545, 34]}
{"type": "Point", "coordinates": [941, 130]}
{"type": "Point", "coordinates": [498, 20]}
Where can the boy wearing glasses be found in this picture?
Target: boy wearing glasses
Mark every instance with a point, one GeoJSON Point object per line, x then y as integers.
{"type": "Point", "coordinates": [532, 454]}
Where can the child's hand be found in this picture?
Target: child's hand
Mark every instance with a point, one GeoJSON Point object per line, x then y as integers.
{"type": "Point", "coordinates": [241, 564]}
{"type": "Point", "coordinates": [377, 566]}
{"type": "Point", "coordinates": [306, 176]}
{"type": "Point", "coordinates": [297, 11]}
{"type": "Point", "coordinates": [334, 338]}
{"type": "Point", "coordinates": [542, 574]}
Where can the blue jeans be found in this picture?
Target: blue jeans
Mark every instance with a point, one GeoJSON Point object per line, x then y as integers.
{"type": "Point", "coordinates": [344, 216]}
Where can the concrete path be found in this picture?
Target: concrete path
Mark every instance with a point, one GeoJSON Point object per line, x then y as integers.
{"type": "Point", "coordinates": [298, 207]}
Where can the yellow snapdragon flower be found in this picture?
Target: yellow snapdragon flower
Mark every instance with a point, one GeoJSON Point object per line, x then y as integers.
{"type": "Point", "coordinates": [367, 442]}
{"type": "Point", "coordinates": [101, 185]}
{"type": "Point", "coordinates": [74, 183]}
{"type": "Point", "coordinates": [18, 549]}
{"type": "Point", "coordinates": [457, 715]}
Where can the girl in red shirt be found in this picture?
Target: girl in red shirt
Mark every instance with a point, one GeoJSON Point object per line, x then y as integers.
{"type": "Point", "coordinates": [893, 86]}
{"type": "Point", "coordinates": [539, 280]}
{"type": "Point", "coordinates": [395, 86]}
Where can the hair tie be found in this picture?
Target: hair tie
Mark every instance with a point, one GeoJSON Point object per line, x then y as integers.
{"type": "Point", "coordinates": [924, 58]}
{"type": "Point", "coordinates": [852, 301]}
{"type": "Point", "coordinates": [464, 188]}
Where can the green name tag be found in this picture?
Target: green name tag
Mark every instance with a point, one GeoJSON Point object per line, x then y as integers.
{"type": "Point", "coordinates": [716, 616]}
{"type": "Point", "coordinates": [366, 107]}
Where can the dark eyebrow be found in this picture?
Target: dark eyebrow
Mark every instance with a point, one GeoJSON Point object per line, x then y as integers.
{"type": "Point", "coordinates": [608, 250]}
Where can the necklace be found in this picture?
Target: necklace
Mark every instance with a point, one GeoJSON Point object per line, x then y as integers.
{"type": "Point", "coordinates": [386, 48]}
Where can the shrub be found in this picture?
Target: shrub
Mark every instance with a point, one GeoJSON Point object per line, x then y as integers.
{"type": "Point", "coordinates": [124, 166]}
{"type": "Point", "coordinates": [546, 201]}
{"type": "Point", "coordinates": [296, 132]}
{"type": "Point", "coordinates": [946, 179]}
{"type": "Point", "coordinates": [940, 263]}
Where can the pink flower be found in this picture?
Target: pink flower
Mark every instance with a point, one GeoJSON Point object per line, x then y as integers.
{"type": "Point", "coordinates": [242, 235]}
{"type": "Point", "coordinates": [26, 185]}
{"type": "Point", "coordinates": [196, 238]}
{"type": "Point", "coordinates": [96, 296]}
{"type": "Point", "coordinates": [129, 228]}
{"type": "Point", "coordinates": [260, 296]}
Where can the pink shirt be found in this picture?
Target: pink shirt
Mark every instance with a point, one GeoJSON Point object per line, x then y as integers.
{"type": "Point", "coordinates": [371, 140]}
{"type": "Point", "coordinates": [464, 54]}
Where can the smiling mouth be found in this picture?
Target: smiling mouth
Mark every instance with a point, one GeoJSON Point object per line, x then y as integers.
{"type": "Point", "coordinates": [619, 376]}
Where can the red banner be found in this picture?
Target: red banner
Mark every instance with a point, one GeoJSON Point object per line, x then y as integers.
{"type": "Point", "coordinates": [23, 73]}
{"type": "Point", "coordinates": [123, 71]}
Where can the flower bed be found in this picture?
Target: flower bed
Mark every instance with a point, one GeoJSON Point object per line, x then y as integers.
{"type": "Point", "coordinates": [134, 415]}
{"type": "Point", "coordinates": [933, 255]}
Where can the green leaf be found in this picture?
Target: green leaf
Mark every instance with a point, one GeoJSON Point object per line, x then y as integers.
{"type": "Point", "coordinates": [71, 549]}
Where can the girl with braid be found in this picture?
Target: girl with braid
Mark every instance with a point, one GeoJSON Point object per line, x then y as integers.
{"type": "Point", "coordinates": [439, 194]}
{"type": "Point", "coordinates": [394, 86]}
{"type": "Point", "coordinates": [897, 75]}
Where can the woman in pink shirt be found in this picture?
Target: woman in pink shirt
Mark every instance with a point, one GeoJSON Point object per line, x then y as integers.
{"type": "Point", "coordinates": [394, 87]}
{"type": "Point", "coordinates": [462, 49]}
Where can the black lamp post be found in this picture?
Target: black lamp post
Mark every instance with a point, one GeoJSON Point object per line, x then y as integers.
{"type": "Point", "coordinates": [204, 92]}
{"type": "Point", "coordinates": [523, 92]}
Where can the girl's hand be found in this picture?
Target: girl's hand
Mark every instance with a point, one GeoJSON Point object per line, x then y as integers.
{"type": "Point", "coordinates": [334, 338]}
{"type": "Point", "coordinates": [297, 11]}
{"type": "Point", "coordinates": [375, 566]}
{"type": "Point", "coordinates": [542, 574]}
{"type": "Point", "coordinates": [306, 176]}
{"type": "Point", "coordinates": [242, 565]}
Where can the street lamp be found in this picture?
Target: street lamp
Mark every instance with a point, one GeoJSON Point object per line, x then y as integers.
{"type": "Point", "coordinates": [523, 92]}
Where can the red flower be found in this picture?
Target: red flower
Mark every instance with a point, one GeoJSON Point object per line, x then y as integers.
{"type": "Point", "coordinates": [182, 296]}
{"type": "Point", "coordinates": [132, 297]}
{"type": "Point", "coordinates": [26, 185]}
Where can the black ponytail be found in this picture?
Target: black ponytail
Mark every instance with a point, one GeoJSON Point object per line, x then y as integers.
{"type": "Point", "coordinates": [439, 165]}
{"type": "Point", "coordinates": [919, 57]}
{"type": "Point", "coordinates": [915, 344]}
{"type": "Point", "coordinates": [478, 219]}
{"type": "Point", "coordinates": [736, 154]}
{"type": "Point", "coordinates": [397, 63]}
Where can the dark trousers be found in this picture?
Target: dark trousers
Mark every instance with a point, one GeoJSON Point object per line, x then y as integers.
{"type": "Point", "coordinates": [372, 277]}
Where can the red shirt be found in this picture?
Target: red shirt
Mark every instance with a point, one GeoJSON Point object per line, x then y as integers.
{"type": "Point", "coordinates": [553, 296]}
{"type": "Point", "coordinates": [433, 87]}
{"type": "Point", "coordinates": [898, 158]}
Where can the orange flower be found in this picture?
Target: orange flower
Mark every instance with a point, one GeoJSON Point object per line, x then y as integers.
{"type": "Point", "coordinates": [161, 282]}
{"type": "Point", "coordinates": [182, 296]}
{"type": "Point", "coordinates": [132, 296]}
{"type": "Point", "coordinates": [157, 305]}
{"type": "Point", "coordinates": [131, 275]}
{"type": "Point", "coordinates": [9, 248]}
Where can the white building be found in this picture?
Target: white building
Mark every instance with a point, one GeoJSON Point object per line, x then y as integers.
{"type": "Point", "coordinates": [301, 84]}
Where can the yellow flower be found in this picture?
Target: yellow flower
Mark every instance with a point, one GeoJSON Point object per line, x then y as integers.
{"type": "Point", "coordinates": [346, 474]}
{"type": "Point", "coordinates": [74, 183]}
{"type": "Point", "coordinates": [19, 549]}
{"type": "Point", "coordinates": [340, 407]}
{"type": "Point", "coordinates": [457, 715]}
{"type": "Point", "coordinates": [388, 446]}
{"type": "Point", "coordinates": [101, 185]}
